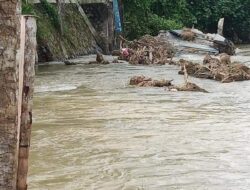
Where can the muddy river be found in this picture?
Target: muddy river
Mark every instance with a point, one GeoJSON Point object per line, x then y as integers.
{"type": "Point", "coordinates": [94, 132]}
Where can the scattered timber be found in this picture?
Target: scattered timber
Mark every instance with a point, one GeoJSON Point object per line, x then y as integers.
{"type": "Point", "coordinates": [217, 69]}
{"type": "Point", "coordinates": [148, 50]}
{"type": "Point", "coordinates": [143, 81]}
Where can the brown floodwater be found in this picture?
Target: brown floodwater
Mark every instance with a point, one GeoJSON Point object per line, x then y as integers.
{"type": "Point", "coordinates": [92, 131]}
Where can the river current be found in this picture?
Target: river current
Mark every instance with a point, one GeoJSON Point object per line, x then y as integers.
{"type": "Point", "coordinates": [92, 131]}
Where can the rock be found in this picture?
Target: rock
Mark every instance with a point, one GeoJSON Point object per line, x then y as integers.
{"type": "Point", "coordinates": [67, 62]}
{"type": "Point", "coordinates": [99, 60]}
{"type": "Point", "coordinates": [99, 57]}
{"type": "Point", "coordinates": [190, 87]}
{"type": "Point", "coordinates": [226, 46]}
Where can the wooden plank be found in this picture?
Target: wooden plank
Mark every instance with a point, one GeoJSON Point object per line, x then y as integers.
{"type": "Point", "coordinates": [27, 97]}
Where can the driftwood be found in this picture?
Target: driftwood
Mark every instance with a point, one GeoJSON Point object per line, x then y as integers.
{"type": "Point", "coordinates": [142, 81]}
{"type": "Point", "coordinates": [149, 50]}
{"type": "Point", "coordinates": [221, 70]}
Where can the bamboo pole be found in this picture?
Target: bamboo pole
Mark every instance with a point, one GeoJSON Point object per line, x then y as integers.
{"type": "Point", "coordinates": [27, 95]}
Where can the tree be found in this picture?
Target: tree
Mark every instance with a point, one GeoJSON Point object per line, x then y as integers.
{"type": "Point", "coordinates": [144, 17]}
{"type": "Point", "coordinates": [9, 133]}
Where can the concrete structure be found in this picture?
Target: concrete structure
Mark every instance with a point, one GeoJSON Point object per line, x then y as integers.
{"type": "Point", "coordinates": [98, 14]}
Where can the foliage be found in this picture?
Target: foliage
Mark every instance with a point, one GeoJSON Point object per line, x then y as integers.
{"type": "Point", "coordinates": [157, 23]}
{"type": "Point", "coordinates": [173, 9]}
{"type": "Point", "coordinates": [27, 8]}
{"type": "Point", "coordinates": [140, 19]}
{"type": "Point", "coordinates": [149, 16]}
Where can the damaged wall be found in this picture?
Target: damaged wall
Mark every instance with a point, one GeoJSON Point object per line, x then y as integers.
{"type": "Point", "coordinates": [101, 17]}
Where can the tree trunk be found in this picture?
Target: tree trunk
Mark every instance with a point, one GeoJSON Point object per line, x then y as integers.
{"type": "Point", "coordinates": [9, 62]}
{"type": "Point", "coordinates": [27, 96]}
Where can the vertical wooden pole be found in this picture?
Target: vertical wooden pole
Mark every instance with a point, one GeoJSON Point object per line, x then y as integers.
{"type": "Point", "coordinates": [10, 12]}
{"type": "Point", "coordinates": [27, 95]}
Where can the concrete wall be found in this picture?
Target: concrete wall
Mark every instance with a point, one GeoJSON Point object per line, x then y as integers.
{"type": "Point", "coordinates": [76, 40]}
{"type": "Point", "coordinates": [102, 19]}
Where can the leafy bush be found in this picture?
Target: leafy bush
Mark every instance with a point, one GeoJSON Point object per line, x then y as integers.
{"type": "Point", "coordinates": [157, 23]}
{"type": "Point", "coordinates": [149, 16]}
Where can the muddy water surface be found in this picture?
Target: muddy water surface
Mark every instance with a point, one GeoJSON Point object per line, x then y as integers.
{"type": "Point", "coordinates": [92, 131]}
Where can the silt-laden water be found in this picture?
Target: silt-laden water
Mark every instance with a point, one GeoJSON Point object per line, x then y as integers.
{"type": "Point", "coordinates": [92, 131]}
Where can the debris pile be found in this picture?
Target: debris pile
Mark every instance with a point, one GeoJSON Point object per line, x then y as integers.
{"type": "Point", "coordinates": [191, 40]}
{"type": "Point", "coordinates": [217, 69]}
{"type": "Point", "coordinates": [149, 50]}
{"type": "Point", "coordinates": [143, 81]}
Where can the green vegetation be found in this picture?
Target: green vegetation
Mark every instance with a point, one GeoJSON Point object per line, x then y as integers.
{"type": "Point", "coordinates": [52, 13]}
{"type": "Point", "coordinates": [149, 16]}
{"type": "Point", "coordinates": [27, 8]}
{"type": "Point", "coordinates": [47, 8]}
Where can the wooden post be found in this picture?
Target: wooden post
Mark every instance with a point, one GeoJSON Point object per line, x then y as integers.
{"type": "Point", "coordinates": [27, 95]}
{"type": "Point", "coordinates": [220, 26]}
{"type": "Point", "coordinates": [10, 12]}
